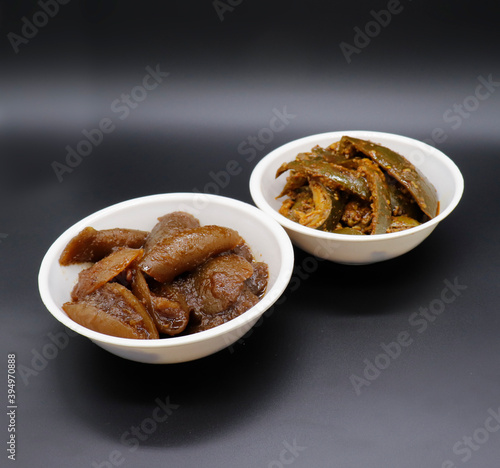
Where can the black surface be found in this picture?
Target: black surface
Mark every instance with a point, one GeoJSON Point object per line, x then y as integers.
{"type": "Point", "coordinates": [290, 382]}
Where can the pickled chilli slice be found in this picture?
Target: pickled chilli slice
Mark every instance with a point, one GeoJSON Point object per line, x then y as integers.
{"type": "Point", "coordinates": [380, 197]}
{"type": "Point", "coordinates": [401, 223]}
{"type": "Point", "coordinates": [113, 310]}
{"type": "Point", "coordinates": [91, 245]}
{"type": "Point", "coordinates": [401, 169]}
{"type": "Point", "coordinates": [330, 155]}
{"type": "Point", "coordinates": [331, 175]}
{"type": "Point", "coordinates": [293, 182]}
{"type": "Point", "coordinates": [402, 203]}
{"type": "Point", "coordinates": [348, 230]}
{"type": "Point", "coordinates": [327, 210]}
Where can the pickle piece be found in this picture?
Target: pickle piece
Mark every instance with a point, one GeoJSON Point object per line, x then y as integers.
{"type": "Point", "coordinates": [348, 230]}
{"type": "Point", "coordinates": [170, 225]}
{"type": "Point", "coordinates": [401, 169]}
{"type": "Point", "coordinates": [327, 211]}
{"type": "Point", "coordinates": [113, 310]}
{"type": "Point", "coordinates": [401, 223]}
{"type": "Point", "coordinates": [220, 280]}
{"type": "Point", "coordinates": [380, 197]}
{"type": "Point", "coordinates": [188, 249]}
{"type": "Point", "coordinates": [90, 245]}
{"type": "Point", "coordinates": [170, 314]}
{"type": "Point", "coordinates": [103, 271]}
{"type": "Point", "coordinates": [332, 176]}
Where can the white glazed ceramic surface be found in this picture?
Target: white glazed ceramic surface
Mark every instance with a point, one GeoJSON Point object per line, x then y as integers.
{"type": "Point", "coordinates": [341, 248]}
{"type": "Point", "coordinates": [266, 238]}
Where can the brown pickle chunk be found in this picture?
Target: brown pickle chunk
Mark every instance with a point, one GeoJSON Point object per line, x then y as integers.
{"type": "Point", "coordinates": [113, 310]}
{"type": "Point", "coordinates": [201, 321]}
{"type": "Point", "coordinates": [168, 226]}
{"type": "Point", "coordinates": [257, 283]}
{"type": "Point", "coordinates": [104, 271]}
{"type": "Point", "coordinates": [91, 245]}
{"type": "Point", "coordinates": [220, 280]}
{"type": "Point", "coordinates": [170, 313]}
{"type": "Point", "coordinates": [172, 256]}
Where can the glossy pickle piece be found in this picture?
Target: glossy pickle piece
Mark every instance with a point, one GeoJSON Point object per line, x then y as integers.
{"type": "Point", "coordinates": [185, 251]}
{"type": "Point", "coordinates": [91, 245]}
{"type": "Point", "coordinates": [380, 198]}
{"type": "Point", "coordinates": [168, 226]}
{"type": "Point", "coordinates": [401, 223]}
{"type": "Point", "coordinates": [104, 271]}
{"type": "Point", "coordinates": [219, 281]}
{"type": "Point", "coordinates": [319, 207]}
{"type": "Point", "coordinates": [170, 314]}
{"type": "Point", "coordinates": [401, 169]}
{"type": "Point", "coordinates": [330, 175]}
{"type": "Point", "coordinates": [113, 310]}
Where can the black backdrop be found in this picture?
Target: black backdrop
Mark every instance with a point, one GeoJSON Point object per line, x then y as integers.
{"type": "Point", "coordinates": [289, 393]}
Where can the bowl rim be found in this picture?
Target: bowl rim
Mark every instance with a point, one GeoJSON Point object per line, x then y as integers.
{"type": "Point", "coordinates": [262, 166]}
{"type": "Point", "coordinates": [248, 317]}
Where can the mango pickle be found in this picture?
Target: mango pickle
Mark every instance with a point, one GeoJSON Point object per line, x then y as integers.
{"type": "Point", "coordinates": [377, 191]}
{"type": "Point", "coordinates": [178, 279]}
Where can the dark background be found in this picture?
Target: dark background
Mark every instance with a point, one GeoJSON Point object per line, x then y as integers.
{"type": "Point", "coordinates": [289, 383]}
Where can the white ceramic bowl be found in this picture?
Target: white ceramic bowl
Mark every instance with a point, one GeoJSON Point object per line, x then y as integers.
{"type": "Point", "coordinates": [341, 248]}
{"type": "Point", "coordinates": [267, 239]}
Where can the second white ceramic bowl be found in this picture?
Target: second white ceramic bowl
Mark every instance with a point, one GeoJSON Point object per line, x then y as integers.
{"type": "Point", "coordinates": [341, 248]}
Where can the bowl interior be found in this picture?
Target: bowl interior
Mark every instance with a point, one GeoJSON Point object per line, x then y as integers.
{"type": "Point", "coordinates": [437, 167]}
{"type": "Point", "coordinates": [268, 241]}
